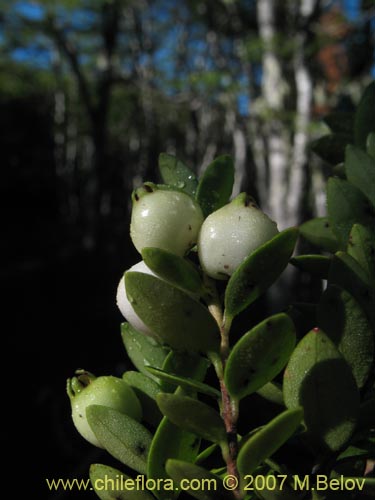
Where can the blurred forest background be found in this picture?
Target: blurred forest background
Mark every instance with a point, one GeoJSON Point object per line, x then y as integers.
{"type": "Point", "coordinates": [91, 91]}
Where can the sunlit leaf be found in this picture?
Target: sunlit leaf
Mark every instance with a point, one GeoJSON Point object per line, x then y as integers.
{"type": "Point", "coordinates": [185, 382]}
{"type": "Point", "coordinates": [142, 349]}
{"type": "Point", "coordinates": [177, 319]}
{"type": "Point", "coordinates": [258, 271]}
{"type": "Point", "coordinates": [175, 173]}
{"type": "Point", "coordinates": [173, 268]}
{"type": "Point", "coordinates": [123, 437]}
{"type": "Point", "coordinates": [259, 355]}
{"type": "Point", "coordinates": [193, 416]}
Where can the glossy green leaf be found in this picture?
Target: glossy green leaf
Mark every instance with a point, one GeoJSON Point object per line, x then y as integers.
{"type": "Point", "coordinates": [193, 416]}
{"type": "Point", "coordinates": [348, 274]}
{"type": "Point", "coordinates": [186, 383]}
{"type": "Point", "coordinates": [370, 145]}
{"type": "Point", "coordinates": [112, 484]}
{"type": "Point", "coordinates": [347, 205]}
{"type": "Point", "coordinates": [216, 184]}
{"type": "Point", "coordinates": [258, 271]}
{"type": "Point", "coordinates": [265, 442]}
{"type": "Point", "coordinates": [341, 122]}
{"type": "Point", "coordinates": [360, 171]}
{"type": "Point", "coordinates": [364, 120]}
{"type": "Point", "coordinates": [123, 437]}
{"type": "Point", "coordinates": [146, 390]}
{"type": "Point", "coordinates": [175, 173]}
{"type": "Point", "coordinates": [331, 147]}
{"type": "Point", "coordinates": [259, 355]}
{"type": "Point", "coordinates": [319, 379]}
{"type": "Point", "coordinates": [344, 321]}
{"type": "Point", "coordinates": [319, 232]}
{"type": "Point", "coordinates": [317, 265]}
{"type": "Point", "coordinates": [272, 392]}
{"type": "Point", "coordinates": [210, 486]}
{"type": "Point", "coordinates": [173, 268]}
{"type": "Point", "coordinates": [177, 319]}
{"type": "Point", "coordinates": [362, 248]}
{"type": "Point", "coordinates": [142, 349]}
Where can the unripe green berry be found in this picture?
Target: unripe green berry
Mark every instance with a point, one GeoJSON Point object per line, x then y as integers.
{"type": "Point", "coordinates": [124, 304]}
{"type": "Point", "coordinates": [164, 219]}
{"type": "Point", "coordinates": [230, 234]}
{"type": "Point", "coordinates": [85, 390]}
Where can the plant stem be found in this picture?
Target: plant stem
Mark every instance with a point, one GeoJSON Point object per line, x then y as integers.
{"type": "Point", "coordinates": [229, 406]}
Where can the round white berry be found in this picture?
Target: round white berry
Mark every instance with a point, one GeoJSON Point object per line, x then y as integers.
{"type": "Point", "coordinates": [165, 219]}
{"type": "Point", "coordinates": [230, 234]}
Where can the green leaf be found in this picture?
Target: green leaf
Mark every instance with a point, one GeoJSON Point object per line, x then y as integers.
{"type": "Point", "coordinates": [169, 442]}
{"type": "Point", "coordinates": [210, 486]}
{"type": "Point", "coordinates": [331, 147]}
{"type": "Point", "coordinates": [265, 442]}
{"type": "Point", "coordinates": [370, 145]}
{"type": "Point", "coordinates": [176, 318]}
{"type": "Point", "coordinates": [346, 324]}
{"type": "Point", "coordinates": [360, 171]}
{"type": "Point", "coordinates": [347, 205]}
{"type": "Point", "coordinates": [348, 274]}
{"type": "Point", "coordinates": [362, 248]}
{"type": "Point", "coordinates": [340, 122]}
{"type": "Point", "coordinates": [142, 349]}
{"type": "Point", "coordinates": [177, 174]}
{"type": "Point", "coordinates": [193, 416]}
{"type": "Point", "coordinates": [258, 271]}
{"type": "Point", "coordinates": [319, 379]}
{"type": "Point", "coordinates": [146, 390]}
{"type": "Point", "coordinates": [272, 392]}
{"type": "Point", "coordinates": [216, 184]}
{"type": "Point", "coordinates": [364, 120]}
{"type": "Point", "coordinates": [112, 484]}
{"type": "Point", "coordinates": [317, 265]}
{"type": "Point", "coordinates": [123, 437]}
{"type": "Point", "coordinates": [319, 232]}
{"type": "Point", "coordinates": [173, 268]}
{"type": "Point", "coordinates": [259, 355]}
{"type": "Point", "coordinates": [186, 383]}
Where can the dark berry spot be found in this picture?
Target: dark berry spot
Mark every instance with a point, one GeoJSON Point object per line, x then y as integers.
{"type": "Point", "coordinates": [80, 416]}
{"type": "Point", "coordinates": [136, 197]}
{"type": "Point", "coordinates": [316, 329]}
{"type": "Point", "coordinates": [148, 188]}
{"type": "Point", "coordinates": [226, 266]}
{"type": "Point", "coordinates": [190, 228]}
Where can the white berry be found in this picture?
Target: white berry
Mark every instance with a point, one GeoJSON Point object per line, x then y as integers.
{"type": "Point", "coordinates": [165, 219]}
{"type": "Point", "coordinates": [232, 233]}
{"type": "Point", "coordinates": [124, 304]}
